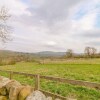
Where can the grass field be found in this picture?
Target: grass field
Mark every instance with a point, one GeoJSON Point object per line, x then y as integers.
{"type": "Point", "coordinates": [87, 70]}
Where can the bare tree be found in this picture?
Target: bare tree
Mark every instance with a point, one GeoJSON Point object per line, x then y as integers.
{"type": "Point", "coordinates": [87, 51]}
{"type": "Point", "coordinates": [93, 52]}
{"type": "Point", "coordinates": [69, 53]}
{"type": "Point", "coordinates": [90, 51]}
{"type": "Point", "coordinates": [5, 30]}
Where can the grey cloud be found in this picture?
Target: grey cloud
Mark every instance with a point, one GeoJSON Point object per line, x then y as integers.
{"type": "Point", "coordinates": [51, 14]}
{"type": "Point", "coordinates": [53, 10]}
{"type": "Point", "coordinates": [92, 34]}
{"type": "Point", "coordinates": [93, 43]}
{"type": "Point", "coordinates": [88, 34]}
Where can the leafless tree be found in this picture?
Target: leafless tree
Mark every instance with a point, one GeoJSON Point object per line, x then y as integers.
{"type": "Point", "coordinates": [93, 51]}
{"type": "Point", "coordinates": [5, 30]}
{"type": "Point", "coordinates": [69, 53]}
{"type": "Point", "coordinates": [87, 51]}
{"type": "Point", "coordinates": [90, 51]}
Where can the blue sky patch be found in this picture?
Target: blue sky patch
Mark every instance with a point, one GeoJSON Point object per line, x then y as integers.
{"type": "Point", "coordinates": [79, 14]}
{"type": "Point", "coordinates": [98, 21]}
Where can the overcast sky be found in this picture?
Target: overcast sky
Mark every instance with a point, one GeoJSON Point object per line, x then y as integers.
{"type": "Point", "coordinates": [53, 25]}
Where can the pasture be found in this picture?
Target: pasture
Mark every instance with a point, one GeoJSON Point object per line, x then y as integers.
{"type": "Point", "coordinates": [78, 69]}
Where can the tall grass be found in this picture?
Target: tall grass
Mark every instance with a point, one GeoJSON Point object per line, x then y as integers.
{"type": "Point", "coordinates": [7, 61]}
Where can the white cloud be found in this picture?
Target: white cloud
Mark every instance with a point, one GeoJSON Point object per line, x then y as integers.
{"type": "Point", "coordinates": [51, 43]}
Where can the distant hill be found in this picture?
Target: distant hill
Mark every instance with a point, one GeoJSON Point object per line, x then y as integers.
{"type": "Point", "coordinates": [50, 54]}
{"type": "Point", "coordinates": [5, 53]}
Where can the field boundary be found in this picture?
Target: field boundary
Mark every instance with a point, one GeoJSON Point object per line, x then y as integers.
{"type": "Point", "coordinates": [62, 80]}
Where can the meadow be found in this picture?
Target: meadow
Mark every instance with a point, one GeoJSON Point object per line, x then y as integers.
{"type": "Point", "coordinates": [78, 69]}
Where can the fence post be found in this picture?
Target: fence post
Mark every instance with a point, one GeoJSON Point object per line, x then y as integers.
{"type": "Point", "coordinates": [11, 75]}
{"type": "Point", "coordinates": [37, 82]}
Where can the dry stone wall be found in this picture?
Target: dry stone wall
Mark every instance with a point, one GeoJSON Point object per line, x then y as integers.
{"type": "Point", "coordinates": [13, 90]}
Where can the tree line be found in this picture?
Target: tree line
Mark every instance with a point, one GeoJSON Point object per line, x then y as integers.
{"type": "Point", "coordinates": [89, 52]}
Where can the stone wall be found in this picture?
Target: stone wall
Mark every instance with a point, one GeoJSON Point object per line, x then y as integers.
{"type": "Point", "coordinates": [13, 90]}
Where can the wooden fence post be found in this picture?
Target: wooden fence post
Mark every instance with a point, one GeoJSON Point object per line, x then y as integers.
{"type": "Point", "coordinates": [11, 75]}
{"type": "Point", "coordinates": [37, 82]}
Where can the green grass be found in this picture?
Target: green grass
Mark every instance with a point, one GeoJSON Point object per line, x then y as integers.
{"type": "Point", "coordinates": [87, 70]}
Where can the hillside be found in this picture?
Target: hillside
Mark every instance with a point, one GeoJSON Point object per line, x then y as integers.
{"type": "Point", "coordinates": [50, 54]}
{"type": "Point", "coordinates": [6, 53]}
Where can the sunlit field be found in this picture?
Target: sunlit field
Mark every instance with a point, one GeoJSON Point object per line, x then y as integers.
{"type": "Point", "coordinates": [78, 69]}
